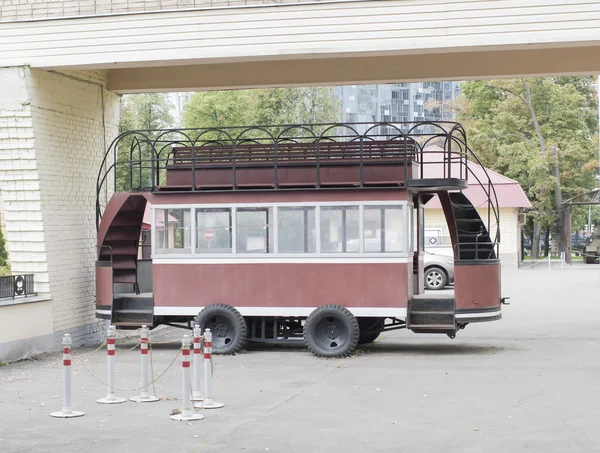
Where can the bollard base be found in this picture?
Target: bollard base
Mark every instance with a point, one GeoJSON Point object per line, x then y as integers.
{"type": "Point", "coordinates": [187, 417]}
{"type": "Point", "coordinates": [198, 398]}
{"type": "Point", "coordinates": [209, 404]}
{"type": "Point", "coordinates": [114, 400]}
{"type": "Point", "coordinates": [145, 399]}
{"type": "Point", "coordinates": [71, 414]}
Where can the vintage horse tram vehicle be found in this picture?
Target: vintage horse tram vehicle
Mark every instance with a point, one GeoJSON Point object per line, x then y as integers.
{"type": "Point", "coordinates": [275, 233]}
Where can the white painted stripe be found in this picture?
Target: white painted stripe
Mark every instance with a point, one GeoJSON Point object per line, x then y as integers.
{"type": "Point", "coordinates": [103, 312]}
{"type": "Point", "coordinates": [291, 204]}
{"type": "Point", "coordinates": [478, 315]}
{"type": "Point", "coordinates": [284, 260]}
{"type": "Point", "coordinates": [380, 312]}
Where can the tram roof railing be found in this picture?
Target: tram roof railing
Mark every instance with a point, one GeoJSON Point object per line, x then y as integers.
{"type": "Point", "coordinates": [140, 160]}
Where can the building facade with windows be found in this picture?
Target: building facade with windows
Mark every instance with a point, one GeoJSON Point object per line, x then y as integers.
{"type": "Point", "coordinates": [398, 102]}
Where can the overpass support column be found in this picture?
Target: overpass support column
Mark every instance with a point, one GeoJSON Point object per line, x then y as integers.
{"type": "Point", "coordinates": [54, 129]}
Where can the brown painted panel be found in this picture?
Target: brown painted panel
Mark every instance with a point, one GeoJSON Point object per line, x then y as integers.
{"type": "Point", "coordinates": [330, 172]}
{"type": "Point", "coordinates": [477, 286]}
{"type": "Point", "coordinates": [282, 285]}
{"type": "Point", "coordinates": [104, 285]}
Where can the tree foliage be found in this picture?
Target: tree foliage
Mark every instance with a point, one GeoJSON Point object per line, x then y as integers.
{"type": "Point", "coordinates": [525, 129]}
{"type": "Point", "coordinates": [4, 262]}
{"type": "Point", "coordinates": [261, 107]}
{"type": "Point", "coordinates": [139, 112]}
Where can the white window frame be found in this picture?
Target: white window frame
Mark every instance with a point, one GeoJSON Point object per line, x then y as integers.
{"type": "Point", "coordinates": [266, 257]}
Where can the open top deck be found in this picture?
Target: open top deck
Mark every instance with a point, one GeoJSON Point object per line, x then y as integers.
{"type": "Point", "coordinates": [323, 156]}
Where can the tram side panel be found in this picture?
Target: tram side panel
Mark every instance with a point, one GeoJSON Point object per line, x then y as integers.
{"type": "Point", "coordinates": [283, 289]}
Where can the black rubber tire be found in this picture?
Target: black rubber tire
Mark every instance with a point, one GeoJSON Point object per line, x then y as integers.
{"type": "Point", "coordinates": [331, 331]}
{"type": "Point", "coordinates": [228, 327]}
{"type": "Point", "coordinates": [370, 329]}
{"type": "Point", "coordinates": [442, 278]}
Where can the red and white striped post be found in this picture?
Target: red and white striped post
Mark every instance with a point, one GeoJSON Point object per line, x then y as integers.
{"type": "Point", "coordinates": [111, 398]}
{"type": "Point", "coordinates": [196, 391]}
{"type": "Point", "coordinates": [145, 396]}
{"type": "Point", "coordinates": [208, 402]}
{"type": "Point", "coordinates": [67, 412]}
{"type": "Point", "coordinates": [186, 411]}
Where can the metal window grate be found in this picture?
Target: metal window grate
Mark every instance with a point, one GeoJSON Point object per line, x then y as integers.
{"type": "Point", "coordinates": [13, 286]}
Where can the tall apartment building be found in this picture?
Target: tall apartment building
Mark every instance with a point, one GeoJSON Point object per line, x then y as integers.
{"type": "Point", "coordinates": [398, 102]}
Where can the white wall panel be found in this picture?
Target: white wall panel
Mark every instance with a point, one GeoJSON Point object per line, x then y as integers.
{"type": "Point", "coordinates": [298, 31]}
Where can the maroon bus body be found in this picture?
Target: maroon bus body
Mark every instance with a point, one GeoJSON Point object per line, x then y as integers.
{"type": "Point", "coordinates": [370, 289]}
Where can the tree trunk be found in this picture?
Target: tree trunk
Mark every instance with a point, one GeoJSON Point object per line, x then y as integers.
{"type": "Point", "coordinates": [547, 244]}
{"type": "Point", "coordinates": [535, 241]}
{"type": "Point", "coordinates": [561, 239]}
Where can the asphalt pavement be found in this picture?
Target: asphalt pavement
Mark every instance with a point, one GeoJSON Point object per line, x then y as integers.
{"type": "Point", "coordinates": [527, 383]}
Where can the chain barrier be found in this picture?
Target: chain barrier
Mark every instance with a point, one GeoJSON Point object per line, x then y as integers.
{"type": "Point", "coordinates": [101, 381]}
{"type": "Point", "coordinates": [80, 359]}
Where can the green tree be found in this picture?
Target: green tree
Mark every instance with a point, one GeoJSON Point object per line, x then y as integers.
{"type": "Point", "coordinates": [263, 107]}
{"type": "Point", "coordinates": [539, 132]}
{"type": "Point", "coordinates": [218, 108]}
{"type": "Point", "coordinates": [4, 262]}
{"type": "Point", "coordinates": [143, 112]}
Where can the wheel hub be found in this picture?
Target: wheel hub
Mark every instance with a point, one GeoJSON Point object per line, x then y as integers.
{"type": "Point", "coordinates": [332, 331]}
{"type": "Point", "coordinates": [221, 330]}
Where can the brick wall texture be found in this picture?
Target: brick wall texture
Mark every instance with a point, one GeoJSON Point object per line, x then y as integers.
{"type": "Point", "coordinates": [53, 135]}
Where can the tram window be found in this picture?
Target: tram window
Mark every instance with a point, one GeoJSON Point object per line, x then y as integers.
{"type": "Point", "coordinates": [296, 230]}
{"type": "Point", "coordinates": [383, 229]}
{"type": "Point", "coordinates": [173, 227]}
{"type": "Point", "coordinates": [340, 227]}
{"type": "Point", "coordinates": [253, 233]}
{"type": "Point", "coordinates": [213, 230]}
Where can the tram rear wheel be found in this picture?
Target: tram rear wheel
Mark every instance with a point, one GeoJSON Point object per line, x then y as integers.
{"type": "Point", "coordinates": [228, 327]}
{"type": "Point", "coordinates": [331, 331]}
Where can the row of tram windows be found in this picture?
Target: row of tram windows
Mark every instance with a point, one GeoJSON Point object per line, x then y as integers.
{"type": "Point", "coordinates": [284, 230]}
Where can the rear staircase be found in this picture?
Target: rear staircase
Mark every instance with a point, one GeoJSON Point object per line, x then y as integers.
{"type": "Point", "coordinates": [119, 245]}
{"type": "Point", "coordinates": [435, 313]}
{"type": "Point", "coordinates": [473, 238]}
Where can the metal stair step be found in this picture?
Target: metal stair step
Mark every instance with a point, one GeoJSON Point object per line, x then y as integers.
{"type": "Point", "coordinates": [124, 262]}
{"type": "Point", "coordinates": [134, 311]}
{"type": "Point", "coordinates": [122, 234]}
{"type": "Point", "coordinates": [433, 312]}
{"type": "Point", "coordinates": [127, 277]}
{"type": "Point", "coordinates": [432, 327]}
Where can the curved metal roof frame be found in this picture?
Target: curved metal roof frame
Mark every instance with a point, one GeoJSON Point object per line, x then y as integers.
{"type": "Point", "coordinates": [585, 199]}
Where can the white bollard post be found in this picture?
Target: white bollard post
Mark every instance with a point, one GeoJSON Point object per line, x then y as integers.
{"type": "Point", "coordinates": [186, 412]}
{"type": "Point", "coordinates": [208, 402]}
{"type": "Point", "coordinates": [111, 398]}
{"type": "Point", "coordinates": [549, 262]}
{"type": "Point", "coordinates": [67, 412]}
{"type": "Point", "coordinates": [145, 396]}
{"type": "Point", "coordinates": [197, 392]}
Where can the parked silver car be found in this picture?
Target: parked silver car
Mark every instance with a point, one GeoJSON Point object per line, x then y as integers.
{"type": "Point", "coordinates": [439, 270]}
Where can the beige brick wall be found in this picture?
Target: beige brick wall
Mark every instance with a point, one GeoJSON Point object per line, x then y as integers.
{"type": "Point", "coordinates": [70, 137]}
{"type": "Point", "coordinates": [11, 10]}
{"type": "Point", "coordinates": [19, 179]}
{"type": "Point", "coordinates": [53, 135]}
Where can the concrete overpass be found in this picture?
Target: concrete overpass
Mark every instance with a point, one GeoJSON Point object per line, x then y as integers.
{"type": "Point", "coordinates": [60, 76]}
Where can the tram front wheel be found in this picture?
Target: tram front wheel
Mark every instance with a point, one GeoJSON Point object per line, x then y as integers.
{"type": "Point", "coordinates": [331, 331]}
{"type": "Point", "coordinates": [227, 325]}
